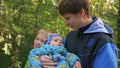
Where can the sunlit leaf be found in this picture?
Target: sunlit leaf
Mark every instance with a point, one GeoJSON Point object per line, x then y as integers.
{"type": "Point", "coordinates": [1, 38]}
{"type": "Point", "coordinates": [7, 47]}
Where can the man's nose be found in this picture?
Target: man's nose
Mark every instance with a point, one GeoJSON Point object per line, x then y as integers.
{"type": "Point", "coordinates": [67, 23]}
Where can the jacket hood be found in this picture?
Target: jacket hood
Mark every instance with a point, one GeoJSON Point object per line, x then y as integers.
{"type": "Point", "coordinates": [99, 26]}
{"type": "Point", "coordinates": [50, 37]}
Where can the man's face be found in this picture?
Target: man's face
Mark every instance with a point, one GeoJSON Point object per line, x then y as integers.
{"type": "Point", "coordinates": [57, 41]}
{"type": "Point", "coordinates": [73, 20]}
{"type": "Point", "coordinates": [39, 41]}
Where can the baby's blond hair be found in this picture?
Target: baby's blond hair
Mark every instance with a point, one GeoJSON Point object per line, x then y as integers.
{"type": "Point", "coordinates": [44, 33]}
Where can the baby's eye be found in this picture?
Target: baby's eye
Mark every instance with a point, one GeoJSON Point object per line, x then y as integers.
{"type": "Point", "coordinates": [37, 38]}
{"type": "Point", "coordinates": [55, 40]}
{"type": "Point", "coordinates": [42, 41]}
{"type": "Point", "coordinates": [62, 42]}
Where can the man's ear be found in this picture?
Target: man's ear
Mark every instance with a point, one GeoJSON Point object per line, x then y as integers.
{"type": "Point", "coordinates": [82, 12]}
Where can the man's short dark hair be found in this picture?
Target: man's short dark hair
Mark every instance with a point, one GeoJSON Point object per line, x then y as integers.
{"type": "Point", "coordinates": [73, 6]}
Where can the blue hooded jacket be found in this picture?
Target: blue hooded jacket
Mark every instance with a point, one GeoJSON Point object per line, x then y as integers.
{"type": "Point", "coordinates": [107, 56]}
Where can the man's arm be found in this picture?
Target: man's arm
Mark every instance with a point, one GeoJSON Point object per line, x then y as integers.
{"type": "Point", "coordinates": [107, 57]}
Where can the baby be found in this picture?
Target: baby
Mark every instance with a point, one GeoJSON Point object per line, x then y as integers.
{"type": "Point", "coordinates": [40, 38]}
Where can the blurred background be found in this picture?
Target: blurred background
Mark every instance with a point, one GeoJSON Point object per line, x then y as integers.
{"type": "Point", "coordinates": [21, 19]}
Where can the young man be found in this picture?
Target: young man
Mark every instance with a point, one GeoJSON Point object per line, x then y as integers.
{"type": "Point", "coordinates": [91, 39]}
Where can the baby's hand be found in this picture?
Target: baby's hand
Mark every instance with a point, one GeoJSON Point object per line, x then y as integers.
{"type": "Point", "coordinates": [77, 65]}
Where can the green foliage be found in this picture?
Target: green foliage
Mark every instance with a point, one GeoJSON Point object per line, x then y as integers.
{"type": "Point", "coordinates": [21, 19]}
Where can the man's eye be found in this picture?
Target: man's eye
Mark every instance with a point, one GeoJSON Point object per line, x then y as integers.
{"type": "Point", "coordinates": [67, 18]}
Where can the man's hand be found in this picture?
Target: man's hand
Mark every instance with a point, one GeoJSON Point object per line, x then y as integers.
{"type": "Point", "coordinates": [47, 62]}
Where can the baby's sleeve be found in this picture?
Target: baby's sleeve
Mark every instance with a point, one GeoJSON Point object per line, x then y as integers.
{"type": "Point", "coordinates": [34, 58]}
{"type": "Point", "coordinates": [71, 59]}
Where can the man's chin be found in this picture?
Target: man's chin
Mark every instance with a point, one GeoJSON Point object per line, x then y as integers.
{"type": "Point", "coordinates": [75, 29]}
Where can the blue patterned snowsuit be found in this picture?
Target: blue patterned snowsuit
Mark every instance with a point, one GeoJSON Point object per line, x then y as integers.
{"type": "Point", "coordinates": [58, 53]}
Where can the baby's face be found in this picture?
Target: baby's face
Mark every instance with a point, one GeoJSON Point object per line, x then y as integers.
{"type": "Point", "coordinates": [39, 41]}
{"type": "Point", "coordinates": [57, 41]}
